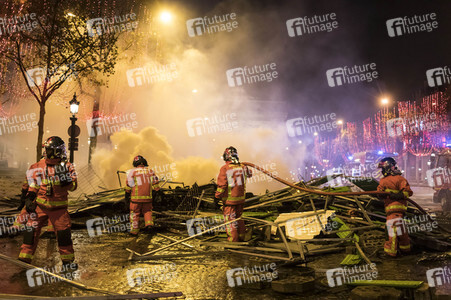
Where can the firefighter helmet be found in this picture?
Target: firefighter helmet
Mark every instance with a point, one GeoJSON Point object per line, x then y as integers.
{"type": "Point", "coordinates": [54, 148]}
{"type": "Point", "coordinates": [388, 166]}
{"type": "Point", "coordinates": [231, 154]}
{"type": "Point", "coordinates": [139, 160]}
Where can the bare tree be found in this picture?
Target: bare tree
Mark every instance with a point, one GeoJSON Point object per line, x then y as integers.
{"type": "Point", "coordinates": [54, 37]}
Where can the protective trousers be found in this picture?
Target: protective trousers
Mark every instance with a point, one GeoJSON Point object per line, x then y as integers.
{"type": "Point", "coordinates": [398, 236]}
{"type": "Point", "coordinates": [61, 222]}
{"type": "Point", "coordinates": [235, 230]}
{"type": "Point", "coordinates": [136, 210]}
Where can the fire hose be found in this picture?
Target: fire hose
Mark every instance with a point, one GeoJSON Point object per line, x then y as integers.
{"type": "Point", "coordinates": [335, 194]}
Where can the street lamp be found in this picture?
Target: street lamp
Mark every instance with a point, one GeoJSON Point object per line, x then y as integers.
{"type": "Point", "coordinates": [74, 105]}
{"type": "Point", "coordinates": [384, 101]}
{"type": "Point", "coordinates": [73, 130]}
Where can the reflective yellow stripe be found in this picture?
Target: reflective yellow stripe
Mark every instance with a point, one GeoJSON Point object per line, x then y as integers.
{"type": "Point", "coordinates": [405, 193]}
{"type": "Point", "coordinates": [73, 186]}
{"type": "Point", "coordinates": [393, 241]}
{"type": "Point", "coordinates": [127, 188]}
{"type": "Point", "coordinates": [148, 222]}
{"type": "Point", "coordinates": [67, 256]}
{"type": "Point", "coordinates": [219, 190]}
{"type": "Point", "coordinates": [393, 207]}
{"type": "Point", "coordinates": [390, 251]}
{"type": "Point", "coordinates": [404, 247]}
{"type": "Point", "coordinates": [141, 197]}
{"type": "Point", "coordinates": [51, 203]}
{"type": "Point", "coordinates": [35, 186]}
{"type": "Point", "coordinates": [236, 198]}
{"type": "Point", "coordinates": [26, 255]}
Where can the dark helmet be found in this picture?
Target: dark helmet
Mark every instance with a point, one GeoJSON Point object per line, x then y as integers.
{"type": "Point", "coordinates": [139, 160]}
{"type": "Point", "coordinates": [388, 166]}
{"type": "Point", "coordinates": [231, 154]}
{"type": "Point", "coordinates": [54, 148]}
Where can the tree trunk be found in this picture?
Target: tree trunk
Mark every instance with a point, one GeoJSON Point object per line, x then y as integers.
{"type": "Point", "coordinates": [40, 129]}
{"type": "Point", "coordinates": [95, 114]}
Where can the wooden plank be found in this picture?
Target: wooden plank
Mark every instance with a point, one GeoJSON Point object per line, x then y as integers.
{"type": "Point", "coordinates": [388, 283]}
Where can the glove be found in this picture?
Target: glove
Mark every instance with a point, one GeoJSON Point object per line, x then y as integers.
{"type": "Point", "coordinates": [30, 204]}
{"type": "Point", "coordinates": [63, 175]}
{"type": "Point", "coordinates": [22, 199]}
{"type": "Point", "coordinates": [216, 202]}
{"type": "Point", "coordinates": [397, 196]}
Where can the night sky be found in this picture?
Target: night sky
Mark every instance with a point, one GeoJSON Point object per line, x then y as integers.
{"type": "Point", "coordinates": [361, 38]}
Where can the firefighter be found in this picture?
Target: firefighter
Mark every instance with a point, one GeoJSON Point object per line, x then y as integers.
{"type": "Point", "coordinates": [231, 191]}
{"type": "Point", "coordinates": [395, 206]}
{"type": "Point", "coordinates": [49, 181]}
{"type": "Point", "coordinates": [141, 181]}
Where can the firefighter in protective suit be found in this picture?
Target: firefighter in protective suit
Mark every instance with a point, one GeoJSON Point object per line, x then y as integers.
{"type": "Point", "coordinates": [395, 206]}
{"type": "Point", "coordinates": [49, 181]}
{"type": "Point", "coordinates": [232, 191]}
{"type": "Point", "coordinates": [141, 181]}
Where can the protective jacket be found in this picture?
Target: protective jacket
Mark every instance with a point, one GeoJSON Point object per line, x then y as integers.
{"type": "Point", "coordinates": [51, 179]}
{"type": "Point", "coordinates": [232, 183]}
{"type": "Point", "coordinates": [395, 184]}
{"type": "Point", "coordinates": [141, 181]}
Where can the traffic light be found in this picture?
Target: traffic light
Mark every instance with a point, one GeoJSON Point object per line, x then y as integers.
{"type": "Point", "coordinates": [73, 144]}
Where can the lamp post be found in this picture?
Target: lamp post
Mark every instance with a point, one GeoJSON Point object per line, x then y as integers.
{"type": "Point", "coordinates": [73, 130]}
